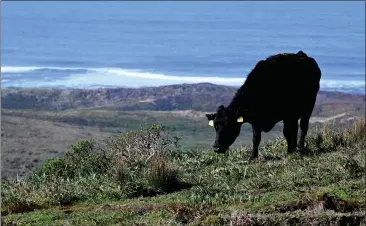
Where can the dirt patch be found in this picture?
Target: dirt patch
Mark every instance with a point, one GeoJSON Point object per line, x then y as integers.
{"type": "Point", "coordinates": [190, 114]}
{"type": "Point", "coordinates": [19, 208]}
{"type": "Point", "coordinates": [184, 213]}
{"type": "Point", "coordinates": [326, 119]}
{"type": "Point", "coordinates": [301, 218]}
{"type": "Point", "coordinates": [324, 202]}
{"type": "Point", "coordinates": [148, 100]}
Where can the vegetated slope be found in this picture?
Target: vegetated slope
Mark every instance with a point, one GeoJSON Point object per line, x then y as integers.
{"type": "Point", "coordinates": [175, 97]}
{"type": "Point", "coordinates": [144, 178]}
{"type": "Point", "coordinates": [198, 97]}
{"type": "Point", "coordinates": [28, 110]}
{"type": "Point", "coordinates": [30, 137]}
{"type": "Point", "coordinates": [27, 142]}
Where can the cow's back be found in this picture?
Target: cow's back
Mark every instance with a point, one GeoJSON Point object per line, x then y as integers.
{"type": "Point", "coordinates": [282, 86]}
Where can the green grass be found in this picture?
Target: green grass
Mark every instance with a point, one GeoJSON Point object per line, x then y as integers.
{"type": "Point", "coordinates": [32, 136]}
{"type": "Point", "coordinates": [144, 178]}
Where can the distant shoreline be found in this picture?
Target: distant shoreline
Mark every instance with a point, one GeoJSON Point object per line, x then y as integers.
{"type": "Point", "coordinates": [106, 87]}
{"type": "Point", "coordinates": [96, 78]}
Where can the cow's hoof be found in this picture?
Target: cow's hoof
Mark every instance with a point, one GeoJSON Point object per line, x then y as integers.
{"type": "Point", "coordinates": [253, 158]}
{"type": "Point", "coordinates": [302, 150]}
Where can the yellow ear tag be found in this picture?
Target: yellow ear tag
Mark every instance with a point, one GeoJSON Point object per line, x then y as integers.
{"type": "Point", "coordinates": [211, 123]}
{"type": "Point", "coordinates": [240, 119]}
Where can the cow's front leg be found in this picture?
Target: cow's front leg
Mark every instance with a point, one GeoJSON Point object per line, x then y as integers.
{"type": "Point", "coordinates": [257, 135]}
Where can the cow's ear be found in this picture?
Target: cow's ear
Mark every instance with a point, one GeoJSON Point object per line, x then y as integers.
{"type": "Point", "coordinates": [210, 116]}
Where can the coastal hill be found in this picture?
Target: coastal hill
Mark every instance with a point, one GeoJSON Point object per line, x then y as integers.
{"type": "Point", "coordinates": [197, 97]}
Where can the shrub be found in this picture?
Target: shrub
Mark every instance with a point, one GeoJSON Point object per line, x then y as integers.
{"type": "Point", "coordinates": [141, 165]}
{"type": "Point", "coordinates": [15, 197]}
{"type": "Point", "coordinates": [123, 175]}
{"type": "Point", "coordinates": [132, 180]}
{"type": "Point", "coordinates": [82, 160]}
{"type": "Point", "coordinates": [141, 144]}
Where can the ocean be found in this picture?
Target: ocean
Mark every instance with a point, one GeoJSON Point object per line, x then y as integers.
{"type": "Point", "coordinates": [135, 44]}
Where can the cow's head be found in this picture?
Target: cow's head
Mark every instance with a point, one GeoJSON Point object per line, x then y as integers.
{"type": "Point", "coordinates": [227, 123]}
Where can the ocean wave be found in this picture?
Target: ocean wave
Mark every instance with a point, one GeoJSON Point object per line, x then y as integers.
{"type": "Point", "coordinates": [117, 77]}
{"type": "Point", "coordinates": [18, 69]}
{"type": "Point", "coordinates": [25, 69]}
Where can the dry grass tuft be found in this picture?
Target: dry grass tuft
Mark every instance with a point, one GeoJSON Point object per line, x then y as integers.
{"type": "Point", "coordinates": [358, 131]}
{"type": "Point", "coordinates": [122, 172]}
{"type": "Point", "coordinates": [161, 173]}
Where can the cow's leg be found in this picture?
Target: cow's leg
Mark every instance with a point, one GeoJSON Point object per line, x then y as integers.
{"type": "Point", "coordinates": [290, 128]}
{"type": "Point", "coordinates": [257, 135]}
{"type": "Point", "coordinates": [304, 123]}
{"type": "Point", "coordinates": [304, 126]}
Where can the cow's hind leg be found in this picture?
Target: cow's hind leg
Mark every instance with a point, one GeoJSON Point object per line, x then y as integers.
{"type": "Point", "coordinates": [257, 136]}
{"type": "Point", "coordinates": [290, 128]}
{"type": "Point", "coordinates": [304, 126]}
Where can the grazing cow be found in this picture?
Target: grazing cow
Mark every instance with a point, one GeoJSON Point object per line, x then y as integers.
{"type": "Point", "coordinates": [282, 87]}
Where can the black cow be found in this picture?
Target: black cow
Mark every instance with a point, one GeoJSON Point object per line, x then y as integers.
{"type": "Point", "coordinates": [282, 87]}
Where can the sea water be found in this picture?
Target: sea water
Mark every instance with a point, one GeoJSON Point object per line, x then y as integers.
{"type": "Point", "coordinates": [135, 44]}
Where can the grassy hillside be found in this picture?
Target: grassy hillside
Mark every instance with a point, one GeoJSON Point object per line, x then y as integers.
{"type": "Point", "coordinates": [38, 124]}
{"type": "Point", "coordinates": [30, 137]}
{"type": "Point", "coordinates": [144, 178]}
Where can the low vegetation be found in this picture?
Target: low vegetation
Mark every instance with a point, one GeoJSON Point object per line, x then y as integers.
{"type": "Point", "coordinates": [38, 124]}
{"type": "Point", "coordinates": [31, 137]}
{"type": "Point", "coordinates": [145, 178]}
